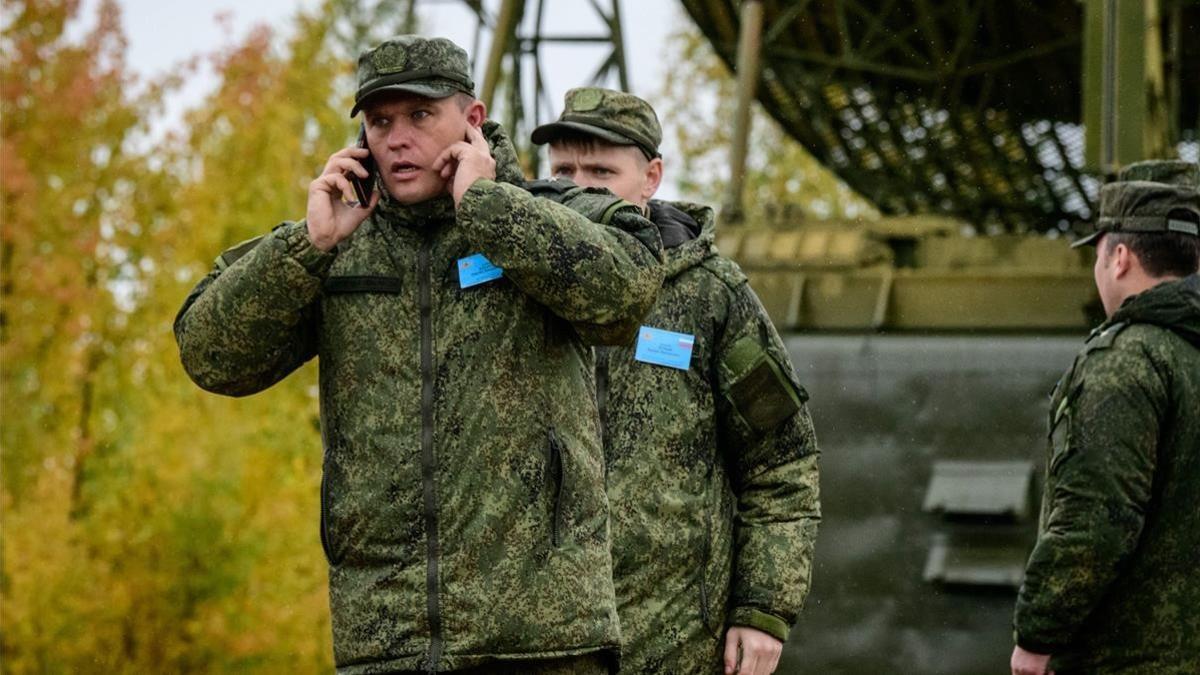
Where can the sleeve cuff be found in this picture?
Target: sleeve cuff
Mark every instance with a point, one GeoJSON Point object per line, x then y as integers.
{"type": "Point", "coordinates": [1035, 646]}
{"type": "Point", "coordinates": [300, 248]}
{"type": "Point", "coordinates": [760, 620]}
{"type": "Point", "coordinates": [479, 197]}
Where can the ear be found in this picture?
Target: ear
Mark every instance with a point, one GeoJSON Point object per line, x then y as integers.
{"type": "Point", "coordinates": [1123, 260]}
{"type": "Point", "coordinates": [654, 176]}
{"type": "Point", "coordinates": [476, 113]}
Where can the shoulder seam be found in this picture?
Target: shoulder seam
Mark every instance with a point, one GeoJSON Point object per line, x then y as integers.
{"type": "Point", "coordinates": [734, 278]}
{"type": "Point", "coordinates": [1105, 339]}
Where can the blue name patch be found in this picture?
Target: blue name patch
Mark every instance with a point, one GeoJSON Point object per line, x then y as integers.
{"type": "Point", "coordinates": [476, 269]}
{"type": "Point", "coordinates": [664, 348]}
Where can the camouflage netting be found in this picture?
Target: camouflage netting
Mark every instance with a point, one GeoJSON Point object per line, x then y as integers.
{"type": "Point", "coordinates": [970, 109]}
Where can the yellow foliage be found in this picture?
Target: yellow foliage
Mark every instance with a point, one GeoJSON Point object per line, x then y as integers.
{"type": "Point", "coordinates": [148, 526]}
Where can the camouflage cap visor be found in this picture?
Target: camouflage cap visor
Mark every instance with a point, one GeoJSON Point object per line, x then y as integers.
{"type": "Point", "coordinates": [611, 133]}
{"type": "Point", "coordinates": [1089, 240]}
{"type": "Point", "coordinates": [428, 83]}
{"type": "Point", "coordinates": [1144, 206]}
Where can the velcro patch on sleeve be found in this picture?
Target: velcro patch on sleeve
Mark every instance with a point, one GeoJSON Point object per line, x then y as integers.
{"type": "Point", "coordinates": [236, 252]}
{"type": "Point", "coordinates": [761, 392]}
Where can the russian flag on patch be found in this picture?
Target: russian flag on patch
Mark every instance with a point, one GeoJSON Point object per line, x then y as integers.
{"type": "Point", "coordinates": [665, 348]}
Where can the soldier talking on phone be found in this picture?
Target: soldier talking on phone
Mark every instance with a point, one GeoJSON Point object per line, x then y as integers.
{"type": "Point", "coordinates": [463, 510]}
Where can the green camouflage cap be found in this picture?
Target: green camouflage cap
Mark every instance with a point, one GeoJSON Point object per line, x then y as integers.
{"type": "Point", "coordinates": [430, 67]}
{"type": "Point", "coordinates": [613, 116]}
{"type": "Point", "coordinates": [1146, 206]}
{"type": "Point", "coordinates": [1172, 171]}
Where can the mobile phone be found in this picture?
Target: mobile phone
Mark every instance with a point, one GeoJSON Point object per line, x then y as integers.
{"type": "Point", "coordinates": [363, 187]}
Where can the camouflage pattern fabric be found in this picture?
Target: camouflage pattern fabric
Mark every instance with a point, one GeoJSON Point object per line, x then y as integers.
{"type": "Point", "coordinates": [1111, 586]}
{"type": "Point", "coordinates": [612, 116]}
{"type": "Point", "coordinates": [1145, 206]}
{"type": "Point", "coordinates": [463, 507]}
{"type": "Point", "coordinates": [430, 67]}
{"type": "Point", "coordinates": [1171, 171]}
{"type": "Point", "coordinates": [712, 472]}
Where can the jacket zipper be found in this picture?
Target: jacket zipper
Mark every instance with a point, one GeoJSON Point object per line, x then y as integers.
{"type": "Point", "coordinates": [556, 472]}
{"type": "Point", "coordinates": [432, 606]}
{"type": "Point", "coordinates": [325, 543]}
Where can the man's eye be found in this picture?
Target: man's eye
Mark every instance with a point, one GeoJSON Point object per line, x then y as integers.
{"type": "Point", "coordinates": [601, 171]}
{"type": "Point", "coordinates": [562, 171]}
{"type": "Point", "coordinates": [378, 122]}
{"type": "Point", "coordinates": [420, 114]}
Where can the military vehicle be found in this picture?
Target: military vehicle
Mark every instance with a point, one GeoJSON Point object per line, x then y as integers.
{"type": "Point", "coordinates": [929, 339]}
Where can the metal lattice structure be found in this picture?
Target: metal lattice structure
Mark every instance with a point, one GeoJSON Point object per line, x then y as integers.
{"type": "Point", "coordinates": [969, 108]}
{"type": "Point", "coordinates": [513, 80]}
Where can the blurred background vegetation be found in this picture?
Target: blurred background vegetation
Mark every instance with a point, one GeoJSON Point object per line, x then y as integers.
{"type": "Point", "coordinates": [148, 526]}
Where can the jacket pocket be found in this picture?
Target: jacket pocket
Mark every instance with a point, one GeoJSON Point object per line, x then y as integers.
{"type": "Point", "coordinates": [361, 284]}
{"type": "Point", "coordinates": [357, 310]}
{"type": "Point", "coordinates": [331, 539]}
{"type": "Point", "coordinates": [712, 583]}
{"type": "Point", "coordinates": [554, 468]}
{"type": "Point", "coordinates": [705, 591]}
{"type": "Point", "coordinates": [326, 535]}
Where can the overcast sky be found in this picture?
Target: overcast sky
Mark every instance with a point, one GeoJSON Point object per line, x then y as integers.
{"type": "Point", "coordinates": [163, 34]}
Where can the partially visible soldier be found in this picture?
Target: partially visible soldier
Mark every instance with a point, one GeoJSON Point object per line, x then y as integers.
{"type": "Point", "coordinates": [1112, 585]}
{"type": "Point", "coordinates": [463, 509]}
{"type": "Point", "coordinates": [711, 455]}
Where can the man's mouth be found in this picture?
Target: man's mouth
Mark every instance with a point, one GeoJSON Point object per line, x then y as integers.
{"type": "Point", "coordinates": [404, 168]}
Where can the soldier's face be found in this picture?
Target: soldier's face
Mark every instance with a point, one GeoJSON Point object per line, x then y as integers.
{"type": "Point", "coordinates": [406, 135]}
{"type": "Point", "coordinates": [623, 169]}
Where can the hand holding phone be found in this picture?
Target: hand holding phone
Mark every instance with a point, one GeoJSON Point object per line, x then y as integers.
{"type": "Point", "coordinates": [339, 200]}
{"type": "Point", "coordinates": [363, 187]}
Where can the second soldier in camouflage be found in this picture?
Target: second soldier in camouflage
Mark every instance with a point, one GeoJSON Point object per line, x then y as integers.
{"type": "Point", "coordinates": [711, 457]}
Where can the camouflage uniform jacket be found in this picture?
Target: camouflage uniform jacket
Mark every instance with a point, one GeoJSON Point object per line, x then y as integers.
{"type": "Point", "coordinates": [712, 471]}
{"type": "Point", "coordinates": [463, 510]}
{"type": "Point", "coordinates": [1112, 585]}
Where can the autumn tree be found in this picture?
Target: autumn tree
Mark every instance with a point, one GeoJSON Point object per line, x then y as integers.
{"type": "Point", "coordinates": [149, 526]}
{"type": "Point", "coordinates": [72, 257]}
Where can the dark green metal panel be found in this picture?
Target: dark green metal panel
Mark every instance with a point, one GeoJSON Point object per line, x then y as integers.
{"type": "Point", "coordinates": [1123, 62]}
{"type": "Point", "coordinates": [898, 588]}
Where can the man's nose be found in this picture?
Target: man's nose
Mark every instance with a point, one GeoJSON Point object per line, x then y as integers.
{"type": "Point", "coordinates": [399, 136]}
